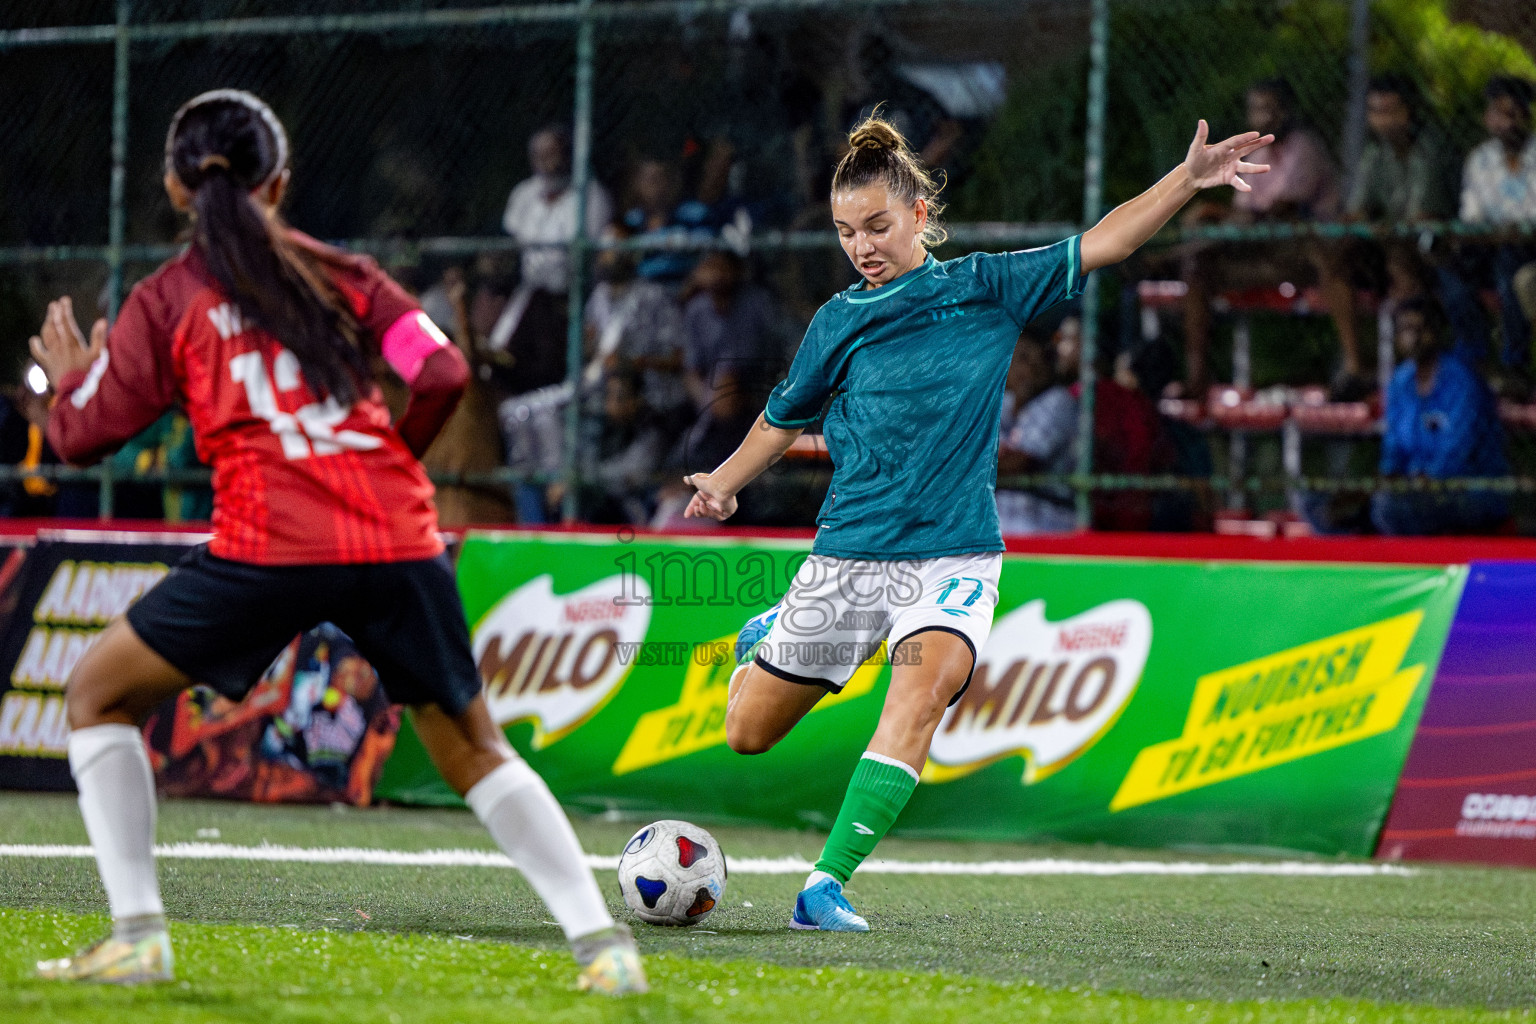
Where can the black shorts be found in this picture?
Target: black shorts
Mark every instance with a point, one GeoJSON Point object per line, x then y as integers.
{"type": "Point", "coordinates": [222, 623]}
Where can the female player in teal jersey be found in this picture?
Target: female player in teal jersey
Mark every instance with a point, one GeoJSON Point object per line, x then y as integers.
{"type": "Point", "coordinates": [913, 358]}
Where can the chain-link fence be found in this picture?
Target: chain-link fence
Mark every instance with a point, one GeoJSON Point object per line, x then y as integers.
{"type": "Point", "coordinates": [1239, 371]}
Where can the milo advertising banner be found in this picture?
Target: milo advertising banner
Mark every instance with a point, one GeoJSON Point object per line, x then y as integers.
{"type": "Point", "coordinates": [1137, 702]}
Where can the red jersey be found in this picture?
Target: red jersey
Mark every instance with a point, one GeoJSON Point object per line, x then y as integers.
{"type": "Point", "coordinates": [295, 480]}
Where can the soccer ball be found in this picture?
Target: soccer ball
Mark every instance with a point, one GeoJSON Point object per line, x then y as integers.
{"type": "Point", "coordinates": [672, 873]}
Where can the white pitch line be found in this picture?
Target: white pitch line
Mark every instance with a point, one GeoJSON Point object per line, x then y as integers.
{"type": "Point", "coordinates": [737, 865]}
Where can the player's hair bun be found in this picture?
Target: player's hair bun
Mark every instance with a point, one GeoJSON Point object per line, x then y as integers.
{"type": "Point", "coordinates": [876, 133]}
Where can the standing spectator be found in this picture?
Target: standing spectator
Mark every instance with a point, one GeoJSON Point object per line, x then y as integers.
{"type": "Point", "coordinates": [1039, 432]}
{"type": "Point", "coordinates": [1407, 173]}
{"type": "Point", "coordinates": [541, 214]}
{"type": "Point", "coordinates": [1499, 187]}
{"type": "Point", "coordinates": [634, 325]}
{"type": "Point", "coordinates": [1301, 185]}
{"type": "Point", "coordinates": [1441, 422]}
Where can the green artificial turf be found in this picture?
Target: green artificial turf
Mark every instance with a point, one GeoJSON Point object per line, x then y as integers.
{"type": "Point", "coordinates": [1446, 937]}
{"type": "Point", "coordinates": [275, 975]}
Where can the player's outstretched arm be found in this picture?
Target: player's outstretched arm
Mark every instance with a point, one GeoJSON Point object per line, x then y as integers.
{"type": "Point", "coordinates": [764, 445]}
{"type": "Point", "coordinates": [109, 388]}
{"type": "Point", "coordinates": [1128, 226]}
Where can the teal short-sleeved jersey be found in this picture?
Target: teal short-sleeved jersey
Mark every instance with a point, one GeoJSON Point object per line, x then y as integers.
{"type": "Point", "coordinates": [915, 371]}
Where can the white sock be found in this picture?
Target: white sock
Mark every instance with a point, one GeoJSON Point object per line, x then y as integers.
{"type": "Point", "coordinates": [814, 877]}
{"type": "Point", "coordinates": [529, 826]}
{"type": "Point", "coordinates": [117, 801]}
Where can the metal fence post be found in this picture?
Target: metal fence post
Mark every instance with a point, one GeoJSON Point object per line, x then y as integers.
{"type": "Point", "coordinates": [1359, 81]}
{"type": "Point", "coordinates": [116, 211]}
{"type": "Point", "coordinates": [116, 215]}
{"type": "Point", "coordinates": [581, 181]}
{"type": "Point", "coordinates": [1093, 203]}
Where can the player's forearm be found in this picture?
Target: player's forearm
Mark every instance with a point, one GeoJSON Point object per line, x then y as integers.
{"type": "Point", "coordinates": [1128, 226]}
{"type": "Point", "coordinates": [764, 445]}
{"type": "Point", "coordinates": [435, 392]}
{"type": "Point", "coordinates": [91, 418]}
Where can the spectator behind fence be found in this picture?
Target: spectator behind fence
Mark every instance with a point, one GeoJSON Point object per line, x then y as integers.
{"type": "Point", "coordinates": [728, 331]}
{"type": "Point", "coordinates": [1441, 422]}
{"type": "Point", "coordinates": [1301, 186]}
{"type": "Point", "coordinates": [541, 214]}
{"type": "Point", "coordinates": [541, 211]}
{"type": "Point", "coordinates": [731, 358]}
{"type": "Point", "coordinates": [618, 468]}
{"type": "Point", "coordinates": [1149, 368]}
{"type": "Point", "coordinates": [635, 325]}
{"type": "Point", "coordinates": [470, 442]}
{"type": "Point", "coordinates": [1499, 187]}
{"type": "Point", "coordinates": [23, 416]}
{"type": "Point", "coordinates": [1128, 436]}
{"type": "Point", "coordinates": [1039, 433]}
{"type": "Point", "coordinates": [656, 213]}
{"type": "Point", "coordinates": [1408, 172]}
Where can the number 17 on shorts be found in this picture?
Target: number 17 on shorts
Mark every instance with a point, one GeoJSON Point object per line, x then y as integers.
{"type": "Point", "coordinates": [838, 610]}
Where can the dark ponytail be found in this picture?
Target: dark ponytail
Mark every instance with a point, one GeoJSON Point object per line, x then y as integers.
{"type": "Point", "coordinates": [222, 146]}
{"type": "Point", "coordinates": [878, 154]}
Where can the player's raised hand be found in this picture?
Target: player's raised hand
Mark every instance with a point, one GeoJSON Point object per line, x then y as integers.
{"type": "Point", "coordinates": [60, 348]}
{"type": "Point", "coordinates": [710, 502]}
{"type": "Point", "coordinates": [1222, 163]}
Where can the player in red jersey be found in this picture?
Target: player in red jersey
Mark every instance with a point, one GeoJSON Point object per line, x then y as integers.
{"type": "Point", "coordinates": [321, 513]}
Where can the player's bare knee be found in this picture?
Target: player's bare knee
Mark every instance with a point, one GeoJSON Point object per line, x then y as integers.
{"type": "Point", "coordinates": [747, 737]}
{"type": "Point", "coordinates": [85, 702]}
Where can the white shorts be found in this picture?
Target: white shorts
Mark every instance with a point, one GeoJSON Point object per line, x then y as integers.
{"type": "Point", "coordinates": [838, 610]}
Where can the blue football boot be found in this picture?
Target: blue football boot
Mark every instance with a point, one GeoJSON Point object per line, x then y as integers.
{"type": "Point", "coordinates": [823, 907]}
{"type": "Point", "coordinates": [752, 633]}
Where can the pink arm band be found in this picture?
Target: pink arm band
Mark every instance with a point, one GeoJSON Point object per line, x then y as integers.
{"type": "Point", "coordinates": [408, 343]}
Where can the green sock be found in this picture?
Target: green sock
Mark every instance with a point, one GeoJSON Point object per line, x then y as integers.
{"type": "Point", "coordinates": [877, 792]}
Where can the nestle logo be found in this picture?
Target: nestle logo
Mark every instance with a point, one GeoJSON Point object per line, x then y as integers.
{"type": "Point", "coordinates": [593, 609]}
{"type": "Point", "coordinates": [1095, 636]}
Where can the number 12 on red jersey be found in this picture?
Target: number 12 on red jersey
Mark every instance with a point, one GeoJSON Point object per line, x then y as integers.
{"type": "Point", "coordinates": [311, 429]}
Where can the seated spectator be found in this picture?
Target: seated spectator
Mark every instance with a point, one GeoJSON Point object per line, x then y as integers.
{"type": "Point", "coordinates": [1149, 369]}
{"type": "Point", "coordinates": [728, 332]}
{"type": "Point", "coordinates": [1301, 185]}
{"type": "Point", "coordinates": [731, 361]}
{"type": "Point", "coordinates": [618, 469]}
{"type": "Point", "coordinates": [1498, 186]}
{"type": "Point", "coordinates": [470, 442]}
{"type": "Point", "coordinates": [655, 212]}
{"type": "Point", "coordinates": [530, 334]}
{"type": "Point", "coordinates": [1039, 434]}
{"type": "Point", "coordinates": [1441, 422]}
{"type": "Point", "coordinates": [1128, 437]}
{"type": "Point", "coordinates": [634, 324]}
{"type": "Point", "coordinates": [23, 416]}
{"type": "Point", "coordinates": [1407, 173]}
